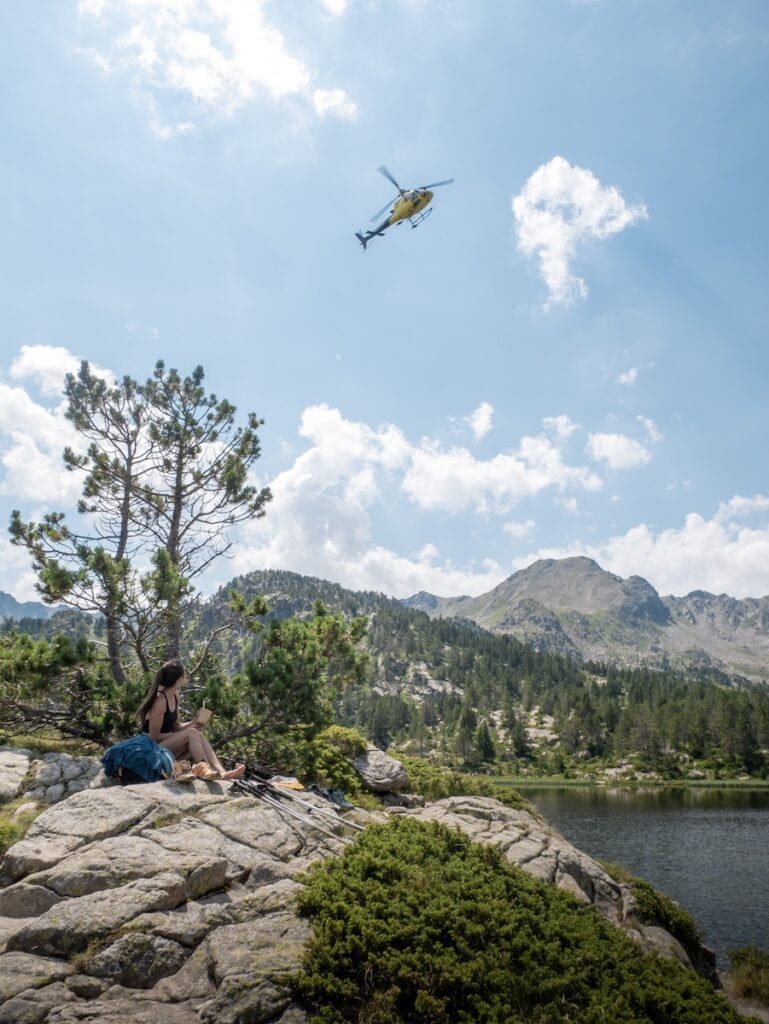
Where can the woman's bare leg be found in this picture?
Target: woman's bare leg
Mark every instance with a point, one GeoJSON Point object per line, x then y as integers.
{"type": "Point", "coordinates": [184, 741]}
{"type": "Point", "coordinates": [213, 760]}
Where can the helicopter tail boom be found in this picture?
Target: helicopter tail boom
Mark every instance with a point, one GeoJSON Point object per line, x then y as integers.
{"type": "Point", "coordinates": [376, 233]}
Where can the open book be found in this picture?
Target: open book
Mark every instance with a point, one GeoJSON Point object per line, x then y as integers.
{"type": "Point", "coordinates": [203, 715]}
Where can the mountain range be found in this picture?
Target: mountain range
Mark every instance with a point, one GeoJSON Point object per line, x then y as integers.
{"type": "Point", "coordinates": [10, 608]}
{"type": "Point", "coordinates": [572, 606]}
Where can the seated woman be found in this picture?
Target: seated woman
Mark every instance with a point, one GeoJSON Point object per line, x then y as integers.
{"type": "Point", "coordinates": [159, 716]}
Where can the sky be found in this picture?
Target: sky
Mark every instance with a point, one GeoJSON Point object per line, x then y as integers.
{"type": "Point", "coordinates": [568, 357]}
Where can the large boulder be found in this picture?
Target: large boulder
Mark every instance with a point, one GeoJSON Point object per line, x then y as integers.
{"type": "Point", "coordinates": [14, 768]}
{"type": "Point", "coordinates": [380, 773]}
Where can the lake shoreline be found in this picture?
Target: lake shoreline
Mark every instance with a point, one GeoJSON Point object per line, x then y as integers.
{"type": "Point", "coordinates": [559, 782]}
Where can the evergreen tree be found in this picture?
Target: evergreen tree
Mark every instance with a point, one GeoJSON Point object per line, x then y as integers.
{"type": "Point", "coordinates": [165, 473]}
{"type": "Point", "coordinates": [484, 743]}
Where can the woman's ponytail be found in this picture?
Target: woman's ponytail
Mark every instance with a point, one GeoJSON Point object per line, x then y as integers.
{"type": "Point", "coordinates": [166, 676]}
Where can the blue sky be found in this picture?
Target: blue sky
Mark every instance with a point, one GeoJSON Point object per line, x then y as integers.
{"type": "Point", "coordinates": [569, 356]}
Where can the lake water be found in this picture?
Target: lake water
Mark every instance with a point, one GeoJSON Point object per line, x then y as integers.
{"type": "Point", "coordinates": [708, 849]}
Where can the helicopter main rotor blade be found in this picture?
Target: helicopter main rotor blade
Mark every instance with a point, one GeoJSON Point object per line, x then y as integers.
{"type": "Point", "coordinates": [435, 184]}
{"type": "Point", "coordinates": [383, 170]}
{"type": "Point", "coordinates": [379, 213]}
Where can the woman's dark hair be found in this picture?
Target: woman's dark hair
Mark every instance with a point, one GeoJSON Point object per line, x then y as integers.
{"type": "Point", "coordinates": [167, 675]}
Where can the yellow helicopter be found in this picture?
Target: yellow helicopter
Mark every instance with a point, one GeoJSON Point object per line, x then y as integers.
{"type": "Point", "coordinates": [408, 205]}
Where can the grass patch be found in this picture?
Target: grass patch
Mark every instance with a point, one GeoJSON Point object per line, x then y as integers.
{"type": "Point", "coordinates": [51, 743]}
{"type": "Point", "coordinates": [748, 975]}
{"type": "Point", "coordinates": [416, 924]}
{"type": "Point", "coordinates": [13, 829]}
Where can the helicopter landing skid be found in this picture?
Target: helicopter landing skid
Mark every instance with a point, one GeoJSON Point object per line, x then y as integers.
{"type": "Point", "coordinates": [417, 220]}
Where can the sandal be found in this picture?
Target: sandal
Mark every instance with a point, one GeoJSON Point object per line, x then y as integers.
{"type": "Point", "coordinates": [183, 772]}
{"type": "Point", "coordinates": [203, 770]}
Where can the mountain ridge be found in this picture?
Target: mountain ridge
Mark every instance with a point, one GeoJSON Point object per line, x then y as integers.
{"type": "Point", "coordinates": [10, 608]}
{"type": "Point", "coordinates": [572, 606]}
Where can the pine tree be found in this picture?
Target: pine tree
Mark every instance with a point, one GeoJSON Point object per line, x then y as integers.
{"type": "Point", "coordinates": [165, 474]}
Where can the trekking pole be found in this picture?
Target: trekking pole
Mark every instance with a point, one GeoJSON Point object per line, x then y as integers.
{"type": "Point", "coordinates": [289, 794]}
{"type": "Point", "coordinates": [260, 791]}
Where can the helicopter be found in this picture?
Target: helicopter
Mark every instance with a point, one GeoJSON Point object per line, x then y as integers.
{"type": "Point", "coordinates": [408, 205]}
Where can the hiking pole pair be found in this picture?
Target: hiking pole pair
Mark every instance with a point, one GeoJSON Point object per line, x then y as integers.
{"type": "Point", "coordinates": [288, 794]}
{"type": "Point", "coordinates": [261, 792]}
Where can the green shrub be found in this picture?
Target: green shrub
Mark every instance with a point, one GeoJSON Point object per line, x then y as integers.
{"type": "Point", "coordinates": [347, 741]}
{"type": "Point", "coordinates": [415, 924]}
{"type": "Point", "coordinates": [435, 782]}
{"type": "Point", "coordinates": [325, 759]}
{"type": "Point", "coordinates": [749, 973]}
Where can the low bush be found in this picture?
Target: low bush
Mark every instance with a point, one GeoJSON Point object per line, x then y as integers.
{"type": "Point", "coordinates": [416, 924]}
{"type": "Point", "coordinates": [435, 782]}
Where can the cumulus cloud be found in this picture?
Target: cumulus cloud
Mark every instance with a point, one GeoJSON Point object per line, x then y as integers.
{"type": "Point", "coordinates": [630, 377]}
{"type": "Point", "coordinates": [16, 575]}
{"type": "Point", "coordinates": [452, 480]}
{"type": "Point", "coordinates": [48, 365]}
{"type": "Point", "coordinates": [480, 419]}
{"type": "Point", "coordinates": [219, 54]}
{"type": "Point", "coordinates": [521, 528]}
{"type": "Point", "coordinates": [558, 208]}
{"type": "Point", "coordinates": [561, 426]}
{"type": "Point", "coordinates": [321, 517]}
{"type": "Point", "coordinates": [334, 103]}
{"type": "Point", "coordinates": [653, 431]}
{"type": "Point", "coordinates": [335, 7]}
{"type": "Point", "coordinates": [33, 434]}
{"type": "Point", "coordinates": [617, 450]}
{"type": "Point", "coordinates": [568, 505]}
{"type": "Point", "coordinates": [728, 553]}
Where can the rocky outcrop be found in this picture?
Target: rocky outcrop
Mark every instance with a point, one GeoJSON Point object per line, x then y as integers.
{"type": "Point", "coordinates": [159, 902]}
{"type": "Point", "coordinates": [49, 778]}
{"type": "Point", "coordinates": [176, 903]}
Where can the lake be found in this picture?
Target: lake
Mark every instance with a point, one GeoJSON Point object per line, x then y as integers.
{"type": "Point", "coordinates": [708, 849]}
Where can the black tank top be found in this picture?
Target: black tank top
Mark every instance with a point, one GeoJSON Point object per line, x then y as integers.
{"type": "Point", "coordinates": [169, 716]}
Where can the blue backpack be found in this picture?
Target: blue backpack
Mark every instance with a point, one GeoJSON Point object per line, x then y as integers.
{"type": "Point", "coordinates": [138, 759]}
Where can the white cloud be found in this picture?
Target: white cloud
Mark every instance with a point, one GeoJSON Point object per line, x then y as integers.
{"type": "Point", "coordinates": [335, 7]}
{"type": "Point", "coordinates": [32, 434]}
{"type": "Point", "coordinates": [617, 450]}
{"type": "Point", "coordinates": [568, 505]}
{"type": "Point", "coordinates": [48, 365]}
{"type": "Point", "coordinates": [219, 54]}
{"type": "Point", "coordinates": [522, 528]}
{"type": "Point", "coordinates": [559, 207]}
{"type": "Point", "coordinates": [452, 480]}
{"type": "Point", "coordinates": [480, 419]}
{"type": "Point", "coordinates": [561, 426]}
{"type": "Point", "coordinates": [653, 431]}
{"type": "Point", "coordinates": [334, 103]}
{"type": "Point", "coordinates": [320, 520]}
{"type": "Point", "coordinates": [16, 575]}
{"type": "Point", "coordinates": [630, 377]}
{"type": "Point", "coordinates": [721, 555]}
